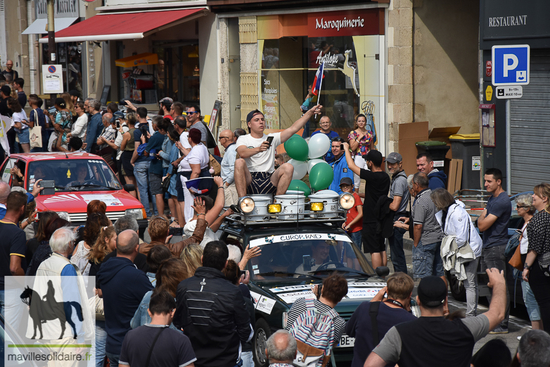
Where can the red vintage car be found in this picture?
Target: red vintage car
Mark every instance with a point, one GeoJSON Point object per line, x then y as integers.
{"type": "Point", "coordinates": [72, 181]}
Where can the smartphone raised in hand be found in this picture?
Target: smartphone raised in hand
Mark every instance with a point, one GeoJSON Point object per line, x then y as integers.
{"type": "Point", "coordinates": [270, 140]}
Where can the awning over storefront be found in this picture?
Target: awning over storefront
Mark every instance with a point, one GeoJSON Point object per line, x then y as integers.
{"type": "Point", "coordinates": [39, 25]}
{"type": "Point", "coordinates": [121, 26]}
{"type": "Point", "coordinates": [137, 60]}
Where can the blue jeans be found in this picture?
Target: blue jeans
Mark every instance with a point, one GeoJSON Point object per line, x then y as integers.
{"type": "Point", "coordinates": [493, 257]}
{"type": "Point", "coordinates": [141, 172]}
{"type": "Point", "coordinates": [427, 260]}
{"type": "Point", "coordinates": [100, 341]}
{"type": "Point", "coordinates": [357, 238]}
{"type": "Point", "coordinates": [396, 247]}
{"type": "Point", "coordinates": [248, 360]}
{"type": "Point", "coordinates": [530, 301]}
{"type": "Point", "coordinates": [113, 359]}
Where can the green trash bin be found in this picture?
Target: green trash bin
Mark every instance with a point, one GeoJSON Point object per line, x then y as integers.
{"type": "Point", "coordinates": [466, 147]}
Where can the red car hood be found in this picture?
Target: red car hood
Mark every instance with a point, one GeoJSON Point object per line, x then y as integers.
{"type": "Point", "coordinates": [76, 202]}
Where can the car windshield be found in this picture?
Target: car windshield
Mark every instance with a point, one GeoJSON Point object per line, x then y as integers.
{"type": "Point", "coordinates": [303, 256]}
{"type": "Point", "coordinates": [74, 175]}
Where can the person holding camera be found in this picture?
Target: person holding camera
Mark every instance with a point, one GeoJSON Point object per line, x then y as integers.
{"type": "Point", "coordinates": [339, 166]}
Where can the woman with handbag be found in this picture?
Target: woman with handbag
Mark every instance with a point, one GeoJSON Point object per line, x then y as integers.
{"type": "Point", "coordinates": [455, 221]}
{"type": "Point", "coordinates": [535, 267]}
{"type": "Point", "coordinates": [526, 210]}
{"type": "Point", "coordinates": [21, 124]}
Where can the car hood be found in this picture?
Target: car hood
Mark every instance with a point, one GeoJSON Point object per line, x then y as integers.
{"type": "Point", "coordinates": [73, 202]}
{"type": "Point", "coordinates": [358, 290]}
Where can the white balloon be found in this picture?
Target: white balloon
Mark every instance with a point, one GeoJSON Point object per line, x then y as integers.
{"type": "Point", "coordinates": [318, 145]}
{"type": "Point", "coordinates": [300, 169]}
{"type": "Point", "coordinates": [313, 162]}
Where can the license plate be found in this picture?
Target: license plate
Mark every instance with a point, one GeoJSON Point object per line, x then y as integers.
{"type": "Point", "coordinates": [346, 341]}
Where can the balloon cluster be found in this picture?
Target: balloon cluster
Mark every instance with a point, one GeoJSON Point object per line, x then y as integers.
{"type": "Point", "coordinates": [307, 158]}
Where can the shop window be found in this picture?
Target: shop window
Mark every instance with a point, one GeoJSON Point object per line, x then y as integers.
{"type": "Point", "coordinates": [177, 73]}
{"type": "Point", "coordinates": [288, 67]}
{"type": "Point", "coordinates": [70, 56]}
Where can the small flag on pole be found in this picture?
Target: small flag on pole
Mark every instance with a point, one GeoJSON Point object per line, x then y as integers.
{"type": "Point", "coordinates": [318, 81]}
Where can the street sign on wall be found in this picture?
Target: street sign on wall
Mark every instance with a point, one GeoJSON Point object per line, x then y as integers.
{"type": "Point", "coordinates": [510, 65]}
{"type": "Point", "coordinates": [509, 91]}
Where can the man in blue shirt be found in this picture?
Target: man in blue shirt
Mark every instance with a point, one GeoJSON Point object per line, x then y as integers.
{"type": "Point", "coordinates": [340, 166]}
{"type": "Point", "coordinates": [227, 140]}
{"type": "Point", "coordinates": [493, 222]}
{"type": "Point", "coordinates": [325, 124]}
{"type": "Point", "coordinates": [95, 126]}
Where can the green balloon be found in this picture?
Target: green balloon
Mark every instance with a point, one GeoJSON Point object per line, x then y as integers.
{"type": "Point", "coordinates": [296, 148]}
{"type": "Point", "coordinates": [321, 176]}
{"type": "Point", "coordinates": [299, 185]}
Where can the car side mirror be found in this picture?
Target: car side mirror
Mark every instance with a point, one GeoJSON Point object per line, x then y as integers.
{"type": "Point", "coordinates": [129, 187]}
{"type": "Point", "coordinates": [382, 271]}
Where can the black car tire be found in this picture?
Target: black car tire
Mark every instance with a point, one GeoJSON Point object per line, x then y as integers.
{"type": "Point", "coordinates": [457, 288]}
{"type": "Point", "coordinates": [262, 332]}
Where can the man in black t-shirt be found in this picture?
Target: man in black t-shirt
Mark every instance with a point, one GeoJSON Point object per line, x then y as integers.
{"type": "Point", "coordinates": [156, 344]}
{"type": "Point", "coordinates": [433, 340]}
{"type": "Point", "coordinates": [377, 185]}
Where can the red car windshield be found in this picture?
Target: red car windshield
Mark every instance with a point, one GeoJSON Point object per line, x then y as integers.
{"type": "Point", "coordinates": [74, 175]}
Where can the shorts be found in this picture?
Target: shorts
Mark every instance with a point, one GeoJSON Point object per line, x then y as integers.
{"type": "Point", "coordinates": [24, 136]}
{"type": "Point", "coordinates": [372, 241]}
{"type": "Point", "coordinates": [126, 158]}
{"type": "Point", "coordinates": [155, 184]}
{"type": "Point", "coordinates": [426, 260]}
{"type": "Point", "coordinates": [261, 184]}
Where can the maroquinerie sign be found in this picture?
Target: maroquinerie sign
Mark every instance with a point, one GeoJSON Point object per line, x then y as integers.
{"type": "Point", "coordinates": [339, 23]}
{"type": "Point", "coordinates": [344, 23]}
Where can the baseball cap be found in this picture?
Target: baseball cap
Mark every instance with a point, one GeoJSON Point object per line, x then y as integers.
{"type": "Point", "coordinates": [346, 181]}
{"type": "Point", "coordinates": [432, 291]}
{"type": "Point", "coordinates": [60, 102]}
{"type": "Point", "coordinates": [374, 156]}
{"type": "Point", "coordinates": [252, 114]}
{"type": "Point", "coordinates": [394, 157]}
{"type": "Point", "coordinates": [166, 101]}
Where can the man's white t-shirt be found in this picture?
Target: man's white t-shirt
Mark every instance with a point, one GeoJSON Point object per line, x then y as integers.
{"type": "Point", "coordinates": [263, 161]}
{"type": "Point", "coordinates": [197, 155]}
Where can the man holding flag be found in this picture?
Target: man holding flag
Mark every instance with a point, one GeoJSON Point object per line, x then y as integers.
{"type": "Point", "coordinates": [314, 91]}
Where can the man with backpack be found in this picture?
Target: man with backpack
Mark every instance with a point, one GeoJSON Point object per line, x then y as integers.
{"type": "Point", "coordinates": [315, 324]}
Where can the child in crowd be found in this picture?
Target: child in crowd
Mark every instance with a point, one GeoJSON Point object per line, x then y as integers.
{"type": "Point", "coordinates": [354, 216]}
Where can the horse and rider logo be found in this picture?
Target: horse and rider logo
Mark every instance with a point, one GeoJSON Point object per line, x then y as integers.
{"type": "Point", "coordinates": [47, 309]}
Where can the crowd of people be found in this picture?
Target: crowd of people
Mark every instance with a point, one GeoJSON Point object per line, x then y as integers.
{"type": "Point", "coordinates": [186, 303]}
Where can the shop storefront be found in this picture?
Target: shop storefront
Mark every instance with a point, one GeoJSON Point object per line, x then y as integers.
{"type": "Point", "coordinates": [349, 43]}
{"type": "Point", "coordinates": [147, 54]}
{"type": "Point", "coordinates": [68, 54]}
{"type": "Point", "coordinates": [507, 22]}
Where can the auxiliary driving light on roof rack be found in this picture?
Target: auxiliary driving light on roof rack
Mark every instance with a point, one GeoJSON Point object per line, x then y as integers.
{"type": "Point", "coordinates": [316, 207]}
{"type": "Point", "coordinates": [247, 205]}
{"type": "Point", "coordinates": [347, 201]}
{"type": "Point", "coordinates": [274, 208]}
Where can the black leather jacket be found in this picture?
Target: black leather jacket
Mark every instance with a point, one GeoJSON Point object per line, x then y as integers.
{"type": "Point", "coordinates": [212, 313]}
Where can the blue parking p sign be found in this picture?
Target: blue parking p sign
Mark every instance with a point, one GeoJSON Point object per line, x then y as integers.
{"type": "Point", "coordinates": [511, 65]}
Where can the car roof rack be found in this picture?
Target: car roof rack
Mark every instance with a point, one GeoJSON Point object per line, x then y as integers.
{"type": "Point", "coordinates": [266, 220]}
